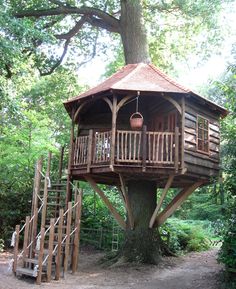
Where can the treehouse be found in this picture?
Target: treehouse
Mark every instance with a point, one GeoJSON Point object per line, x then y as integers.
{"type": "Point", "coordinates": [139, 130]}
{"type": "Point", "coordinates": [141, 124]}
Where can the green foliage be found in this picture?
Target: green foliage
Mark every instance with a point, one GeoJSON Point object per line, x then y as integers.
{"type": "Point", "coordinates": [227, 88]}
{"type": "Point", "coordinates": [32, 121]}
{"type": "Point", "coordinates": [227, 253]}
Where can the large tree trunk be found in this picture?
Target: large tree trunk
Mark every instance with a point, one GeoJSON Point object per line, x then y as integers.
{"type": "Point", "coordinates": [133, 32]}
{"type": "Point", "coordinates": [142, 243]}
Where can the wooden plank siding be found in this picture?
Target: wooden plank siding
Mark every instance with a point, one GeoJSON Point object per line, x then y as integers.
{"type": "Point", "coordinates": [204, 164]}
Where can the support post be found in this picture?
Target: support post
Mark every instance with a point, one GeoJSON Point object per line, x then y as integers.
{"type": "Point", "coordinates": [59, 240]}
{"type": "Point", "coordinates": [113, 130]}
{"type": "Point", "coordinates": [40, 258]}
{"type": "Point", "coordinates": [61, 164]}
{"type": "Point", "coordinates": [70, 162]}
{"type": "Point", "coordinates": [16, 247]}
{"type": "Point", "coordinates": [176, 160]}
{"type": "Point", "coordinates": [182, 133]}
{"type": "Point", "coordinates": [50, 250]}
{"type": "Point", "coordinates": [90, 150]}
{"type": "Point", "coordinates": [127, 203]}
{"type": "Point", "coordinates": [144, 147]}
{"type": "Point", "coordinates": [67, 244]}
{"type": "Point", "coordinates": [154, 215]}
{"type": "Point", "coordinates": [110, 207]}
{"type": "Point", "coordinates": [176, 202]}
{"type": "Point", "coordinates": [45, 191]}
{"type": "Point", "coordinates": [26, 237]}
{"type": "Point", "coordinates": [76, 243]}
{"type": "Point", "coordinates": [33, 227]}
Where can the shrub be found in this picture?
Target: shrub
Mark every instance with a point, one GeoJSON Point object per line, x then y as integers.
{"type": "Point", "coordinates": [185, 236]}
{"type": "Point", "coordinates": [227, 254]}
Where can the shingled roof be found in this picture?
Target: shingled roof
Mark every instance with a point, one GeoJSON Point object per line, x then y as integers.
{"type": "Point", "coordinates": [139, 77]}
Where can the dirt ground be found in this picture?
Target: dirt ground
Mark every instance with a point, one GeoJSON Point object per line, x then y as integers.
{"type": "Point", "coordinates": [193, 271]}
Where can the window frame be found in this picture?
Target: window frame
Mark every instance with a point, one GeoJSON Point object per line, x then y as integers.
{"type": "Point", "coordinates": [207, 152]}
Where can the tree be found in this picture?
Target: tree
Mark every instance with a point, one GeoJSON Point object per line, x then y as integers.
{"type": "Point", "coordinates": [54, 32]}
{"type": "Point", "coordinates": [64, 22]}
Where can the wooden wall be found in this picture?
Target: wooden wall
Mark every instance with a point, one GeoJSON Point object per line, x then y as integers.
{"type": "Point", "coordinates": [196, 162]}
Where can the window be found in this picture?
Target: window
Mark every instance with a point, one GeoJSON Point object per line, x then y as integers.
{"type": "Point", "coordinates": [202, 134]}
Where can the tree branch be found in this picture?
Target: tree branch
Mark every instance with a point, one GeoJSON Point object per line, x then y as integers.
{"type": "Point", "coordinates": [109, 21]}
{"type": "Point", "coordinates": [51, 70]}
{"type": "Point", "coordinates": [74, 30]}
{"type": "Point", "coordinates": [100, 24]}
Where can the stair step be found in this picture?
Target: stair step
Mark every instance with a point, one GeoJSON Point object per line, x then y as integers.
{"type": "Point", "coordinates": [58, 185]}
{"type": "Point", "coordinates": [56, 190]}
{"type": "Point", "coordinates": [63, 227]}
{"type": "Point", "coordinates": [32, 261]}
{"type": "Point", "coordinates": [54, 204]}
{"type": "Point", "coordinates": [54, 197]}
{"type": "Point", "coordinates": [25, 271]}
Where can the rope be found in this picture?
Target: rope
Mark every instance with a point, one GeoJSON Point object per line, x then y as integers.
{"type": "Point", "coordinates": [137, 98]}
{"type": "Point", "coordinates": [48, 179]}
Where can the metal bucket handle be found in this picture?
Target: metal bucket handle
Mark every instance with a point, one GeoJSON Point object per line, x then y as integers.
{"type": "Point", "coordinates": [136, 113]}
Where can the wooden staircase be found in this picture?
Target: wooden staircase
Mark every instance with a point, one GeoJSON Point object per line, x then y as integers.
{"type": "Point", "coordinates": [51, 234]}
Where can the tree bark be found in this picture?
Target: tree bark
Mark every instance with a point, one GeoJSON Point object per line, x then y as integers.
{"type": "Point", "coordinates": [141, 244]}
{"type": "Point", "coordinates": [133, 32]}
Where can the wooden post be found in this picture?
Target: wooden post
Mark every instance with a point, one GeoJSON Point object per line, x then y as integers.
{"type": "Point", "coordinates": [33, 227]}
{"type": "Point", "coordinates": [67, 244]}
{"type": "Point", "coordinates": [110, 207]}
{"type": "Point", "coordinates": [40, 258]}
{"type": "Point", "coordinates": [61, 164]}
{"type": "Point", "coordinates": [58, 257]}
{"type": "Point", "coordinates": [90, 150]}
{"type": "Point", "coordinates": [45, 191]}
{"type": "Point", "coordinates": [176, 202]}
{"type": "Point", "coordinates": [182, 133]}
{"type": "Point", "coordinates": [154, 215]}
{"type": "Point", "coordinates": [76, 242]}
{"type": "Point", "coordinates": [144, 147]}
{"type": "Point", "coordinates": [50, 250]}
{"type": "Point", "coordinates": [113, 131]}
{"type": "Point", "coordinates": [16, 247]}
{"type": "Point", "coordinates": [127, 203]}
{"type": "Point", "coordinates": [70, 161]}
{"type": "Point", "coordinates": [176, 160]}
{"type": "Point", "coordinates": [26, 237]}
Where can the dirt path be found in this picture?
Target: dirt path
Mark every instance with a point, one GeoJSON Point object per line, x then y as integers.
{"type": "Point", "coordinates": [194, 271]}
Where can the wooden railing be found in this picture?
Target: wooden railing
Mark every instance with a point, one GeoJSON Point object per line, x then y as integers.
{"type": "Point", "coordinates": [81, 150]}
{"type": "Point", "coordinates": [128, 146]}
{"type": "Point", "coordinates": [137, 147]}
{"type": "Point", "coordinates": [102, 147]}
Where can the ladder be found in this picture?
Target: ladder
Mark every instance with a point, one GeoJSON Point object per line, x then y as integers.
{"type": "Point", "coordinates": [115, 238]}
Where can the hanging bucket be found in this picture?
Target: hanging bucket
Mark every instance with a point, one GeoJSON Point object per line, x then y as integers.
{"type": "Point", "coordinates": [136, 121]}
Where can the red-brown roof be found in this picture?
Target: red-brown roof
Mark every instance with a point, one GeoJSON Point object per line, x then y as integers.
{"type": "Point", "coordinates": [138, 77]}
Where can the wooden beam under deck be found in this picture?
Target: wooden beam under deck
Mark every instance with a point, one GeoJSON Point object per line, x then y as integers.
{"type": "Point", "coordinates": [167, 186]}
{"type": "Point", "coordinates": [127, 203]}
{"type": "Point", "coordinates": [176, 202]}
{"type": "Point", "coordinates": [109, 205]}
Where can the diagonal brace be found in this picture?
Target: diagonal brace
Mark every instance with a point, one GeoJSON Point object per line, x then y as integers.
{"type": "Point", "coordinates": [176, 202]}
{"type": "Point", "coordinates": [167, 186]}
{"type": "Point", "coordinates": [109, 205]}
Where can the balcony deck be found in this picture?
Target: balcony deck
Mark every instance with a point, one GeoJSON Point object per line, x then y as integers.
{"type": "Point", "coordinates": [139, 152]}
